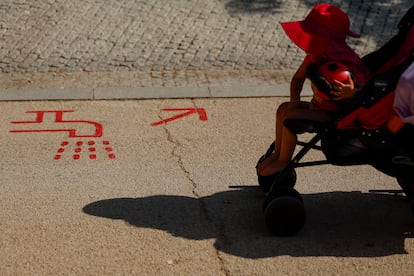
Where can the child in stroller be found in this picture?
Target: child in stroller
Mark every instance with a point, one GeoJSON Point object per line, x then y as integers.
{"type": "Point", "coordinates": [322, 36]}
{"type": "Point", "coordinates": [354, 138]}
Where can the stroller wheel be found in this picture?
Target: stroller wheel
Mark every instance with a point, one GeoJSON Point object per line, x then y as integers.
{"type": "Point", "coordinates": [407, 185]}
{"type": "Point", "coordinates": [281, 191]}
{"type": "Point", "coordinates": [288, 179]}
{"type": "Point", "coordinates": [285, 213]}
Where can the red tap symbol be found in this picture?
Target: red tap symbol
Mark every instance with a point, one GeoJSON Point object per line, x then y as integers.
{"type": "Point", "coordinates": [73, 132]}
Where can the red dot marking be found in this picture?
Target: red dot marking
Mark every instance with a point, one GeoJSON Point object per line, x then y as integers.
{"type": "Point", "coordinates": [91, 150]}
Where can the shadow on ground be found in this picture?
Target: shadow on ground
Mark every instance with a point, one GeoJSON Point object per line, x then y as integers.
{"type": "Point", "coordinates": [346, 224]}
{"type": "Point", "coordinates": [375, 20]}
{"type": "Point", "coordinates": [234, 7]}
{"type": "Point", "coordinates": [281, 6]}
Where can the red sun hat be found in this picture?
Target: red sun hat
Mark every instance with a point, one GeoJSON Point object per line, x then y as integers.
{"type": "Point", "coordinates": [323, 26]}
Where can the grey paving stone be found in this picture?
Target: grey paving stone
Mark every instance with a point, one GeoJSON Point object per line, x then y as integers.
{"type": "Point", "coordinates": [58, 36]}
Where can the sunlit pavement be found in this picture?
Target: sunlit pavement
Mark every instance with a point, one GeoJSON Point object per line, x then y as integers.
{"type": "Point", "coordinates": [168, 187]}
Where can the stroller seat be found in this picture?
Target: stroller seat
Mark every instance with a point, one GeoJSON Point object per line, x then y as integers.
{"type": "Point", "coordinates": [299, 126]}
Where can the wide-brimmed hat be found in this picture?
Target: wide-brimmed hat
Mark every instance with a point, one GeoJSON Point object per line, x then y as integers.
{"type": "Point", "coordinates": [323, 26]}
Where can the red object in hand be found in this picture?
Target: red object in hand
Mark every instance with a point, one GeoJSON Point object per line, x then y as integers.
{"type": "Point", "coordinates": [334, 70]}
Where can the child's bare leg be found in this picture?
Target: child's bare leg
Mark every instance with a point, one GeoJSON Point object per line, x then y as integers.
{"type": "Point", "coordinates": [281, 115]}
{"type": "Point", "coordinates": [274, 165]}
{"type": "Point", "coordinates": [289, 138]}
{"type": "Point", "coordinates": [310, 114]}
{"type": "Point", "coordinates": [286, 140]}
{"type": "Point", "coordinates": [286, 150]}
{"type": "Point", "coordinates": [280, 118]}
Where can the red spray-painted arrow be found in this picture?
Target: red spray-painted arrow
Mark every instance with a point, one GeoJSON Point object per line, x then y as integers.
{"type": "Point", "coordinates": [202, 115]}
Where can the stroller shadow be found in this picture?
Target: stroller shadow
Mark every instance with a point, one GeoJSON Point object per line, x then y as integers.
{"type": "Point", "coordinates": [345, 224]}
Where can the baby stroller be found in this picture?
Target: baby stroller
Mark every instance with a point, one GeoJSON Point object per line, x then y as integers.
{"type": "Point", "coordinates": [355, 138]}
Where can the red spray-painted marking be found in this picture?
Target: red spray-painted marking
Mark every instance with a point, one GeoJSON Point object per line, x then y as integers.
{"type": "Point", "coordinates": [79, 148]}
{"type": "Point", "coordinates": [59, 119]}
{"type": "Point", "coordinates": [202, 115]}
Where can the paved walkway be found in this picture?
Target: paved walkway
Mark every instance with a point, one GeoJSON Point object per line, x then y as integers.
{"type": "Point", "coordinates": [152, 43]}
{"type": "Point", "coordinates": [180, 198]}
{"type": "Point", "coordinates": [101, 188]}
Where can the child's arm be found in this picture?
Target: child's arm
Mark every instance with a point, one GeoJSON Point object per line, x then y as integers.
{"type": "Point", "coordinates": [296, 85]}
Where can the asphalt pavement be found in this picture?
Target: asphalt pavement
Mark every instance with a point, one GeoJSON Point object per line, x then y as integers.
{"type": "Point", "coordinates": [168, 187]}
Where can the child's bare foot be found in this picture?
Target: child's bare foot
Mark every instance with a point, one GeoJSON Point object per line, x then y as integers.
{"type": "Point", "coordinates": [271, 166]}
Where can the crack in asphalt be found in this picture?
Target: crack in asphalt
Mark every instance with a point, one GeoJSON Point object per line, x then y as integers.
{"type": "Point", "coordinates": [218, 227]}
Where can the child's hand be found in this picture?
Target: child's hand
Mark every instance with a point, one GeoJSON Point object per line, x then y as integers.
{"type": "Point", "coordinates": [342, 90]}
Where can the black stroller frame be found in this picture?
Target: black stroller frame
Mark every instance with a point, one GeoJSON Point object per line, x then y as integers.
{"type": "Point", "coordinates": [283, 207]}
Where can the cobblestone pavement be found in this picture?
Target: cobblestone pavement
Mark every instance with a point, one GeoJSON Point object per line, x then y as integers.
{"type": "Point", "coordinates": [59, 43]}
